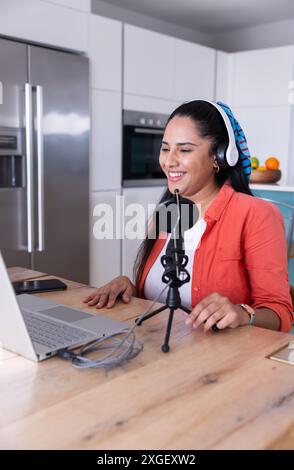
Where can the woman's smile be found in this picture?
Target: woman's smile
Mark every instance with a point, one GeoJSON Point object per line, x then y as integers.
{"type": "Point", "coordinates": [175, 176]}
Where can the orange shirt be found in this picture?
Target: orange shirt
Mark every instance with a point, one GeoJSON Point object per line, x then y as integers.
{"type": "Point", "coordinates": [242, 255]}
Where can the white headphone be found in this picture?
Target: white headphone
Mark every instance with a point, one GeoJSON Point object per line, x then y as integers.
{"type": "Point", "coordinates": [226, 154]}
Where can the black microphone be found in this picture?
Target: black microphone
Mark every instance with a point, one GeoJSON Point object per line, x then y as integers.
{"type": "Point", "coordinates": [175, 215]}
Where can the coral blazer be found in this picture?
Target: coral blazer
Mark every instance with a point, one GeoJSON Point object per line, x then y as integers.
{"type": "Point", "coordinates": [242, 255]}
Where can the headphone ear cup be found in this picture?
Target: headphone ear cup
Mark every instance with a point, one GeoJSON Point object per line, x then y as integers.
{"type": "Point", "coordinates": [221, 155]}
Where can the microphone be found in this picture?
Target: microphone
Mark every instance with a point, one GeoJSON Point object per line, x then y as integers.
{"type": "Point", "coordinates": [175, 215]}
{"type": "Point", "coordinates": [181, 216]}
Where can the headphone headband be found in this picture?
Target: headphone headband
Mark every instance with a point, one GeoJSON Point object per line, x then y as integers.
{"type": "Point", "coordinates": [232, 153]}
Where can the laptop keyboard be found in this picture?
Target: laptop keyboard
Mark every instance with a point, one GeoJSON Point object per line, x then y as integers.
{"type": "Point", "coordinates": [53, 334]}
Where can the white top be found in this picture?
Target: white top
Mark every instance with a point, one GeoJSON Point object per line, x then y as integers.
{"type": "Point", "coordinates": [153, 283]}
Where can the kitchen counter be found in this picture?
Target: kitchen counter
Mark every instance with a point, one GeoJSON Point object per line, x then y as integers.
{"type": "Point", "coordinates": [272, 187]}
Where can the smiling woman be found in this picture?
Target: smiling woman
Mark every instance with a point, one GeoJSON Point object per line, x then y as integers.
{"type": "Point", "coordinates": [234, 281]}
{"type": "Point", "coordinates": [198, 154]}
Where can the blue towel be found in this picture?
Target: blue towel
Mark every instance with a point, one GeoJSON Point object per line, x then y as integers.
{"type": "Point", "coordinates": [241, 142]}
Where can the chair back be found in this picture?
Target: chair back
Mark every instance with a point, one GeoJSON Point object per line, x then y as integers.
{"type": "Point", "coordinates": [287, 212]}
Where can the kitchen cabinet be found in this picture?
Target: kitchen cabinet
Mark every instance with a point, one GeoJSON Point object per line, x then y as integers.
{"type": "Point", "coordinates": [148, 63]}
{"type": "Point", "coordinates": [164, 67]}
{"type": "Point", "coordinates": [194, 71]}
{"type": "Point", "coordinates": [105, 162]}
{"type": "Point", "coordinates": [44, 22]}
{"type": "Point", "coordinates": [261, 77]}
{"type": "Point", "coordinates": [137, 201]}
{"type": "Point", "coordinates": [105, 52]}
{"type": "Point", "coordinates": [104, 253]}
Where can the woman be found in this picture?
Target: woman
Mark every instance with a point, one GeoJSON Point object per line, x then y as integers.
{"type": "Point", "coordinates": [238, 261]}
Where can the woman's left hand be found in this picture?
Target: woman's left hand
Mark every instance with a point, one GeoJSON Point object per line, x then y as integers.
{"type": "Point", "coordinates": [217, 309]}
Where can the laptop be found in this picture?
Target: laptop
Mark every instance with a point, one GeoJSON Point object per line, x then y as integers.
{"type": "Point", "coordinates": [37, 328]}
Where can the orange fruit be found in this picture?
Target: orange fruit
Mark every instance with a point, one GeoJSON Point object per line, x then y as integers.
{"type": "Point", "coordinates": [262, 168]}
{"type": "Point", "coordinates": [272, 163]}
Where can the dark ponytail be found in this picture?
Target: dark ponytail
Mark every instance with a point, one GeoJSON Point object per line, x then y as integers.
{"type": "Point", "coordinates": [210, 125]}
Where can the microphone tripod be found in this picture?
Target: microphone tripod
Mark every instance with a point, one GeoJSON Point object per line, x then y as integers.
{"type": "Point", "coordinates": [174, 262]}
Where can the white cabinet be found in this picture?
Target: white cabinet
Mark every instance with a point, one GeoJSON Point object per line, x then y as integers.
{"type": "Point", "coordinates": [104, 253]}
{"type": "Point", "coordinates": [261, 77]}
{"type": "Point", "coordinates": [44, 22]}
{"type": "Point", "coordinates": [139, 204]}
{"type": "Point", "coordinates": [164, 67]}
{"type": "Point", "coordinates": [194, 71]}
{"type": "Point", "coordinates": [105, 53]}
{"type": "Point", "coordinates": [123, 220]}
{"type": "Point", "coordinates": [105, 162]}
{"type": "Point", "coordinates": [148, 63]}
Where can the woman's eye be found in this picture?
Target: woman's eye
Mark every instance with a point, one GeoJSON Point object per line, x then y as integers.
{"type": "Point", "coordinates": [164, 150]}
{"type": "Point", "coordinates": [186, 150]}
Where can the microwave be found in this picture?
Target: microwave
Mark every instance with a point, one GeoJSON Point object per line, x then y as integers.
{"type": "Point", "coordinates": [142, 136]}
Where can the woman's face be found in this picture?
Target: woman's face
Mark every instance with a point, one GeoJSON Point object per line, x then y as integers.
{"type": "Point", "coordinates": [186, 158]}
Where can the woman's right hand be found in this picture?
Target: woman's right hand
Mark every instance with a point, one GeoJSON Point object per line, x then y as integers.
{"type": "Point", "coordinates": [107, 294]}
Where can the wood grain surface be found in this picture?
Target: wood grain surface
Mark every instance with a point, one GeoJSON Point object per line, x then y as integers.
{"type": "Point", "coordinates": [211, 391]}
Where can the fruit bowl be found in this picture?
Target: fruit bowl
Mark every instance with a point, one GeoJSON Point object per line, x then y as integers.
{"type": "Point", "coordinates": [266, 176]}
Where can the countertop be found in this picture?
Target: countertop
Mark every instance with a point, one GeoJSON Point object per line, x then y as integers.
{"type": "Point", "coordinates": [272, 187]}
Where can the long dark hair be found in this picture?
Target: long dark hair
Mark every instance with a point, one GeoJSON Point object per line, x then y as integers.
{"type": "Point", "coordinates": [210, 125]}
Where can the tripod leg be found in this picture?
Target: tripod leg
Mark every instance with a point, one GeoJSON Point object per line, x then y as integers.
{"type": "Point", "coordinates": [165, 346]}
{"type": "Point", "coordinates": [151, 314]}
{"type": "Point", "coordinates": [184, 308]}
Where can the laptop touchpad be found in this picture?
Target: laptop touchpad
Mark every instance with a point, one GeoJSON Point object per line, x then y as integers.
{"type": "Point", "coordinates": [65, 313]}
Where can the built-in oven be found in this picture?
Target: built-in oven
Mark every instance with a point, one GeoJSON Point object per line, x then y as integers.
{"type": "Point", "coordinates": [142, 136]}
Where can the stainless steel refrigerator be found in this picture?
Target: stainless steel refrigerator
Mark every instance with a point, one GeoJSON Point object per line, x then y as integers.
{"type": "Point", "coordinates": [44, 159]}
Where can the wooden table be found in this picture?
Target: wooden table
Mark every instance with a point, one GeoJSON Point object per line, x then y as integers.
{"type": "Point", "coordinates": [212, 391]}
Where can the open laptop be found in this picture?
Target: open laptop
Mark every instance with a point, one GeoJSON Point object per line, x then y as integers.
{"type": "Point", "coordinates": [37, 328]}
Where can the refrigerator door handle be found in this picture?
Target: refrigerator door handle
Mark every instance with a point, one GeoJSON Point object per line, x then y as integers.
{"type": "Point", "coordinates": [29, 166]}
{"type": "Point", "coordinates": [40, 157]}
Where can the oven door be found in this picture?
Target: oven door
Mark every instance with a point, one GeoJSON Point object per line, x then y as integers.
{"type": "Point", "coordinates": [141, 148]}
